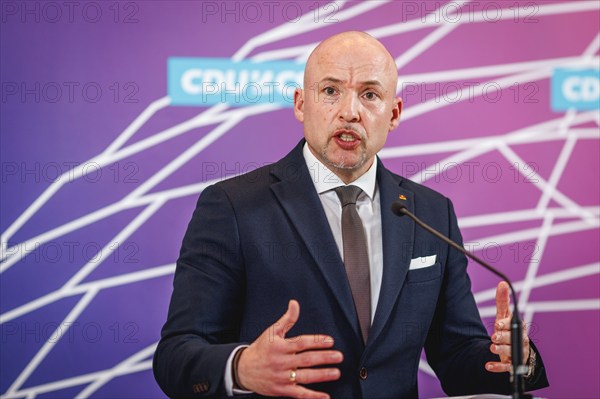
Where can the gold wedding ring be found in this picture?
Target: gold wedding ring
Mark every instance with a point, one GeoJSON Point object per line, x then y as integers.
{"type": "Point", "coordinates": [293, 376]}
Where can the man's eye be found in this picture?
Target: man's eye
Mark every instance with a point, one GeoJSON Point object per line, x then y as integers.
{"type": "Point", "coordinates": [330, 91]}
{"type": "Point", "coordinates": [370, 95]}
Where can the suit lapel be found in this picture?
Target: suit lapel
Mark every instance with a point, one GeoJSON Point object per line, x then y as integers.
{"type": "Point", "coordinates": [297, 196]}
{"type": "Point", "coordinates": [398, 241]}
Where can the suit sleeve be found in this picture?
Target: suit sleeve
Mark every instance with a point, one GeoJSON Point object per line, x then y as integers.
{"type": "Point", "coordinates": [203, 323]}
{"type": "Point", "coordinates": [458, 344]}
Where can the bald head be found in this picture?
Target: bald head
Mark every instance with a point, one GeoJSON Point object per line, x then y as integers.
{"type": "Point", "coordinates": [352, 45]}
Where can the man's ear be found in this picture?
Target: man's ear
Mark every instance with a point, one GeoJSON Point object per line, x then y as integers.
{"type": "Point", "coordinates": [299, 104]}
{"type": "Point", "coordinates": [396, 111]}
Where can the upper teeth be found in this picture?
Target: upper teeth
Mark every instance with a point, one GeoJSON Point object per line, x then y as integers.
{"type": "Point", "coordinates": [346, 137]}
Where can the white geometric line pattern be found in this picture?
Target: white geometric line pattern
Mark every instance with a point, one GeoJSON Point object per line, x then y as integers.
{"type": "Point", "coordinates": [567, 218]}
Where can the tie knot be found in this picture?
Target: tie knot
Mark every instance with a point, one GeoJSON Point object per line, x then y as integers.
{"type": "Point", "coordinates": [348, 194]}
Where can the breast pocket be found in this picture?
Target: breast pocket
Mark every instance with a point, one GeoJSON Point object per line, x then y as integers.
{"type": "Point", "coordinates": [424, 274]}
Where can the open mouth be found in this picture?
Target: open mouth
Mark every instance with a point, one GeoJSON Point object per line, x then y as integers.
{"type": "Point", "coordinates": [347, 139]}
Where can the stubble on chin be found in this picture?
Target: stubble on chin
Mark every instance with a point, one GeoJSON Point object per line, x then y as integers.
{"type": "Point", "coordinates": [343, 164]}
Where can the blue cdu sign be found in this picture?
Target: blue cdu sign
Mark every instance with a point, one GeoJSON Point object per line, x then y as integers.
{"type": "Point", "coordinates": [209, 81]}
{"type": "Point", "coordinates": [575, 88]}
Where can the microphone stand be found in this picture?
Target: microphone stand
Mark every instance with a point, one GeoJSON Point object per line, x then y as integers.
{"type": "Point", "coordinates": [518, 369]}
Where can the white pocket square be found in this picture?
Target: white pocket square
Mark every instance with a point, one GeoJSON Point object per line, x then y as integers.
{"type": "Point", "coordinates": [420, 263]}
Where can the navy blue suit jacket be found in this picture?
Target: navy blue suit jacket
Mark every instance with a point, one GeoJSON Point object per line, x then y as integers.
{"type": "Point", "coordinates": [258, 240]}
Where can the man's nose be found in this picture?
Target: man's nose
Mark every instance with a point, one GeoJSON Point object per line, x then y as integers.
{"type": "Point", "coordinates": [349, 108]}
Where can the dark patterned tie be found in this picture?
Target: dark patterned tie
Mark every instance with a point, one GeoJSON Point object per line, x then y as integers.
{"type": "Point", "coordinates": [356, 256]}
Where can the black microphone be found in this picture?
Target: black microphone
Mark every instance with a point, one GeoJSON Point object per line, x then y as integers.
{"type": "Point", "coordinates": [516, 329]}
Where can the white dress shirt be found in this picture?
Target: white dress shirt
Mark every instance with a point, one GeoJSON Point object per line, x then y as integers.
{"type": "Point", "coordinates": [369, 210]}
{"type": "Point", "coordinates": [367, 205]}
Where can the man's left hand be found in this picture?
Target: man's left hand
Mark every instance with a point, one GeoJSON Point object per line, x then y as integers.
{"type": "Point", "coordinates": [501, 336]}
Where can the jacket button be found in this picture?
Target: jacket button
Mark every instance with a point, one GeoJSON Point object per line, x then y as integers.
{"type": "Point", "coordinates": [200, 388]}
{"type": "Point", "coordinates": [363, 373]}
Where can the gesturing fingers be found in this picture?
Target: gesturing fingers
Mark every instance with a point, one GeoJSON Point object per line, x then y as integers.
{"type": "Point", "coordinates": [501, 350]}
{"type": "Point", "coordinates": [502, 334]}
{"type": "Point", "coordinates": [304, 343]}
{"type": "Point", "coordinates": [288, 320]}
{"type": "Point", "coordinates": [276, 365]}
{"type": "Point", "coordinates": [502, 324]}
{"type": "Point", "coordinates": [296, 378]}
{"type": "Point", "coordinates": [497, 367]}
{"type": "Point", "coordinates": [502, 301]}
{"type": "Point", "coordinates": [298, 391]}
{"type": "Point", "coordinates": [312, 376]}
{"type": "Point", "coordinates": [317, 358]}
{"type": "Point", "coordinates": [501, 331]}
{"type": "Point", "coordinates": [501, 345]}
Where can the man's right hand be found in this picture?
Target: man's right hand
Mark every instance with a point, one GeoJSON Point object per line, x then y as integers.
{"type": "Point", "coordinates": [267, 365]}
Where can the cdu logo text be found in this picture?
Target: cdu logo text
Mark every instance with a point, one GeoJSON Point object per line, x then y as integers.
{"type": "Point", "coordinates": [209, 81]}
{"type": "Point", "coordinates": [575, 88]}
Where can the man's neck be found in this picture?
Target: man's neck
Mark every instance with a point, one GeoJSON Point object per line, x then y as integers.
{"type": "Point", "coordinates": [325, 179]}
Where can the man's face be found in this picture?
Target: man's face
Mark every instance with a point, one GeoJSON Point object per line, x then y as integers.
{"type": "Point", "coordinates": [348, 106]}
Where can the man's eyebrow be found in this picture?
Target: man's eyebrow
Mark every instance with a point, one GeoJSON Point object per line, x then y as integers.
{"type": "Point", "coordinates": [331, 79]}
{"type": "Point", "coordinates": [372, 83]}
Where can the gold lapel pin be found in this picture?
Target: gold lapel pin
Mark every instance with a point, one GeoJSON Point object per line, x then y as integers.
{"type": "Point", "coordinates": [402, 197]}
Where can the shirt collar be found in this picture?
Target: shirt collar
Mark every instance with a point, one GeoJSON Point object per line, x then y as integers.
{"type": "Point", "coordinates": [324, 179]}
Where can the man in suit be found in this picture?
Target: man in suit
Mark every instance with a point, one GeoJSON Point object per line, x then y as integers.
{"type": "Point", "coordinates": [297, 280]}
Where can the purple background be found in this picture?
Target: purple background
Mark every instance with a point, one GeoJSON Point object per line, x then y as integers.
{"type": "Point", "coordinates": [470, 150]}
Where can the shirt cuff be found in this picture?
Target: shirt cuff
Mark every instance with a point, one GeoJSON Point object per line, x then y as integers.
{"type": "Point", "coordinates": [229, 374]}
